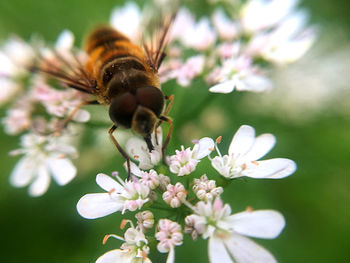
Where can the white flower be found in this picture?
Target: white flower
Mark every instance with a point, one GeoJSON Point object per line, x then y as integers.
{"type": "Point", "coordinates": [189, 70]}
{"type": "Point", "coordinates": [134, 250]}
{"type": "Point", "coordinates": [120, 196]}
{"type": "Point", "coordinates": [243, 153]}
{"type": "Point", "coordinates": [199, 36]}
{"type": "Point", "coordinates": [138, 150]}
{"type": "Point", "coordinates": [65, 41]}
{"type": "Point", "coordinates": [261, 14]}
{"type": "Point", "coordinates": [8, 89]}
{"type": "Point", "coordinates": [169, 235]}
{"type": "Point", "coordinates": [43, 156]}
{"type": "Point", "coordinates": [15, 55]}
{"type": "Point", "coordinates": [127, 20]}
{"type": "Point", "coordinates": [289, 41]}
{"type": "Point", "coordinates": [226, 232]}
{"type": "Point", "coordinates": [240, 74]}
{"type": "Point", "coordinates": [185, 161]}
{"type": "Point", "coordinates": [227, 28]}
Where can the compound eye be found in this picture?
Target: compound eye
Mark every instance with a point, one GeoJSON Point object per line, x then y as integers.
{"type": "Point", "coordinates": [122, 109]}
{"type": "Point", "coordinates": [151, 98]}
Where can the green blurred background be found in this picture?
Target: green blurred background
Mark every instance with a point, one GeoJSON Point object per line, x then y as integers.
{"type": "Point", "coordinates": [315, 200]}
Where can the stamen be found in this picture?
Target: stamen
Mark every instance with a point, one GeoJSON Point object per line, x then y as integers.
{"type": "Point", "coordinates": [218, 139]}
{"type": "Point", "coordinates": [61, 156]}
{"type": "Point", "coordinates": [249, 209]}
{"type": "Point", "coordinates": [255, 162]}
{"type": "Point", "coordinates": [106, 237]}
{"type": "Point", "coordinates": [111, 191]}
{"type": "Point", "coordinates": [124, 222]}
{"type": "Point", "coordinates": [244, 166]}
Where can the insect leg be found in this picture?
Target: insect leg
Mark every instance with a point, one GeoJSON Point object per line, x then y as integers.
{"type": "Point", "coordinates": [170, 104]}
{"type": "Point", "coordinates": [171, 101]}
{"type": "Point", "coordinates": [165, 144]}
{"type": "Point", "coordinates": [120, 149]}
{"type": "Point", "coordinates": [75, 110]}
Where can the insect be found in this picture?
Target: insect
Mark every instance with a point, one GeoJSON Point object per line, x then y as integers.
{"type": "Point", "coordinates": [121, 75]}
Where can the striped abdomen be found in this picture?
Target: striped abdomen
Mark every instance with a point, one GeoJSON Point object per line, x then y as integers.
{"type": "Point", "coordinates": [117, 64]}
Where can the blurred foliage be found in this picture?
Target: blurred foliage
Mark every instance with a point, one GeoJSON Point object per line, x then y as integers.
{"type": "Point", "coordinates": [315, 200]}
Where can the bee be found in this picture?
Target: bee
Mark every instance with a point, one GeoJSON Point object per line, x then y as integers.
{"type": "Point", "coordinates": [121, 75]}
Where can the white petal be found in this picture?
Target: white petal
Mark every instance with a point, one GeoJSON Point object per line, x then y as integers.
{"type": "Point", "coordinates": [23, 172]}
{"type": "Point", "coordinates": [205, 147]}
{"type": "Point", "coordinates": [127, 19]}
{"type": "Point", "coordinates": [171, 256]}
{"type": "Point", "coordinates": [41, 182]}
{"type": "Point", "coordinates": [273, 169]}
{"type": "Point", "coordinates": [217, 251]}
{"type": "Point", "coordinates": [93, 206]}
{"type": "Point", "coordinates": [63, 170]}
{"type": "Point", "coordinates": [255, 83]}
{"type": "Point", "coordinates": [134, 169]}
{"type": "Point", "coordinates": [81, 116]}
{"type": "Point", "coordinates": [107, 183]}
{"type": "Point", "coordinates": [260, 224]}
{"type": "Point", "coordinates": [262, 145]}
{"type": "Point", "coordinates": [112, 256]}
{"type": "Point", "coordinates": [242, 141]}
{"type": "Point", "coordinates": [65, 40]}
{"type": "Point", "coordinates": [223, 87]}
{"type": "Point", "coordinates": [244, 250]}
{"type": "Point", "coordinates": [138, 148]}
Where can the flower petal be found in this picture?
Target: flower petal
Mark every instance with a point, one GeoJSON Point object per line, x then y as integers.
{"type": "Point", "coordinates": [127, 20]}
{"type": "Point", "coordinates": [242, 141]}
{"type": "Point", "coordinates": [41, 182]}
{"type": "Point", "coordinates": [138, 150]}
{"type": "Point", "coordinates": [81, 116]}
{"type": "Point", "coordinates": [65, 40]}
{"type": "Point", "coordinates": [217, 251]}
{"type": "Point", "coordinates": [273, 168]}
{"type": "Point", "coordinates": [107, 183]}
{"type": "Point", "coordinates": [259, 224]}
{"type": "Point", "coordinates": [262, 145]}
{"type": "Point", "coordinates": [112, 256]}
{"type": "Point", "coordinates": [223, 87]}
{"type": "Point", "coordinates": [244, 250]}
{"type": "Point", "coordinates": [93, 206]}
{"type": "Point", "coordinates": [22, 173]}
{"type": "Point", "coordinates": [63, 170]}
{"type": "Point", "coordinates": [205, 147]}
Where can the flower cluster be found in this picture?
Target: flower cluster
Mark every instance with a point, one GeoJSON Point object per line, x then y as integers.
{"type": "Point", "coordinates": [236, 49]}
{"type": "Point", "coordinates": [203, 212]}
{"type": "Point", "coordinates": [36, 111]}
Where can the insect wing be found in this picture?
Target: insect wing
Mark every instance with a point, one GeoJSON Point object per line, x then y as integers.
{"type": "Point", "coordinates": [157, 40]}
{"type": "Point", "coordinates": [65, 67]}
